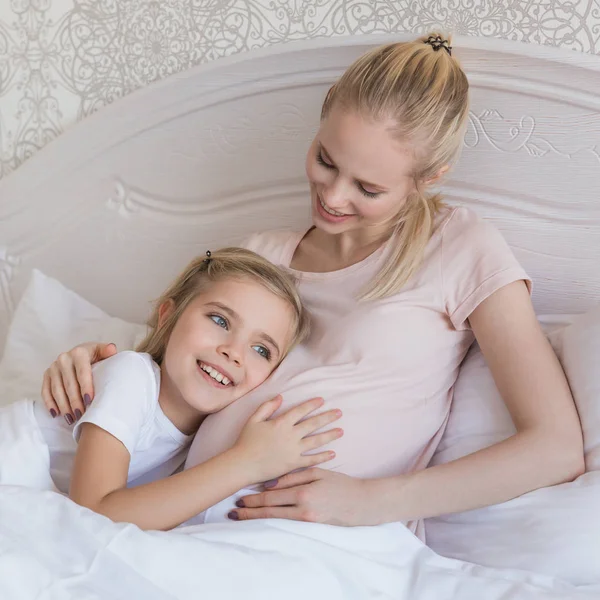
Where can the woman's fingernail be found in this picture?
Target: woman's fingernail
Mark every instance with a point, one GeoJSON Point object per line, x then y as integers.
{"type": "Point", "coordinates": [87, 400]}
{"type": "Point", "coordinates": [53, 413]}
{"type": "Point", "coordinates": [271, 483]}
{"type": "Point", "coordinates": [239, 503]}
{"type": "Point", "coordinates": [233, 515]}
{"type": "Point", "coordinates": [77, 414]}
{"type": "Point", "coordinates": [69, 419]}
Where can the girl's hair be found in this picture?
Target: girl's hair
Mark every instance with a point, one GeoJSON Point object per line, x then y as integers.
{"type": "Point", "coordinates": [228, 263]}
{"type": "Point", "coordinates": [424, 91]}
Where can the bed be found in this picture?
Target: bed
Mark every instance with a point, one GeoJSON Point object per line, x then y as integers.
{"type": "Point", "coordinates": [114, 207]}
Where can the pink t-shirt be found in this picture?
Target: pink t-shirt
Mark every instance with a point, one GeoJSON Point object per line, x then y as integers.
{"type": "Point", "coordinates": [389, 364]}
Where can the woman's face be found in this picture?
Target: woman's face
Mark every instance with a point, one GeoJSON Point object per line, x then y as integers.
{"type": "Point", "coordinates": [359, 175]}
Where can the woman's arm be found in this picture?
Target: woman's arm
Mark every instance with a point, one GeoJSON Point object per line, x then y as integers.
{"type": "Point", "coordinates": [266, 447]}
{"type": "Point", "coordinates": [546, 450]}
{"type": "Point", "coordinates": [68, 386]}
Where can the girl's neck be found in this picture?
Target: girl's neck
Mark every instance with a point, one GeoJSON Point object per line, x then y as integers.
{"type": "Point", "coordinates": [186, 418]}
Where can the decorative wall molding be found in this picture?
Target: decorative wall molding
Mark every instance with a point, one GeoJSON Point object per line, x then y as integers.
{"type": "Point", "coordinates": [61, 60]}
{"type": "Point", "coordinates": [521, 136]}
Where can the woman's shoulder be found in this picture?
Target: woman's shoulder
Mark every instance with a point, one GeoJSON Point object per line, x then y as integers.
{"type": "Point", "coordinates": [274, 245]}
{"type": "Point", "coordinates": [459, 228]}
{"type": "Point", "coordinates": [459, 218]}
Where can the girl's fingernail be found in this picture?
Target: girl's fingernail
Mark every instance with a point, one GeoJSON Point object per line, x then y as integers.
{"type": "Point", "coordinates": [271, 483]}
{"type": "Point", "coordinates": [87, 400]}
{"type": "Point", "coordinates": [233, 515]}
{"type": "Point", "coordinates": [53, 413]}
{"type": "Point", "coordinates": [77, 414]}
{"type": "Point", "coordinates": [69, 419]}
{"type": "Point", "coordinates": [239, 503]}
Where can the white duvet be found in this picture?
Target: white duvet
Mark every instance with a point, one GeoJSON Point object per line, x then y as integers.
{"type": "Point", "coordinates": [50, 548]}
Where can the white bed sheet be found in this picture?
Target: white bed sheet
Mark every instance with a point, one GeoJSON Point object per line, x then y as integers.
{"type": "Point", "coordinates": [51, 548]}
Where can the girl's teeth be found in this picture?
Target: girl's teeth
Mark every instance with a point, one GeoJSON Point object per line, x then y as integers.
{"type": "Point", "coordinates": [215, 374]}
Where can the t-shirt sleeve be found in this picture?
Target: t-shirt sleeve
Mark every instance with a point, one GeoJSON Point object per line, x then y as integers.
{"type": "Point", "coordinates": [273, 245]}
{"type": "Point", "coordinates": [124, 389]}
{"type": "Point", "coordinates": [476, 262]}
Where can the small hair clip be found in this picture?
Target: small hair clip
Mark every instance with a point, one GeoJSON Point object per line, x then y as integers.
{"type": "Point", "coordinates": [436, 42]}
{"type": "Point", "coordinates": [208, 256]}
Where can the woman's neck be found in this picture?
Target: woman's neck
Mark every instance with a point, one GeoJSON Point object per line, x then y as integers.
{"type": "Point", "coordinates": [186, 418]}
{"type": "Point", "coordinates": [322, 252]}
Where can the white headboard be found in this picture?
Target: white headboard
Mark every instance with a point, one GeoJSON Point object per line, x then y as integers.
{"type": "Point", "coordinates": [118, 204]}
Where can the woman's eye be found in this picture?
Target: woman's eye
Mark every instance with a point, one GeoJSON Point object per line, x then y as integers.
{"type": "Point", "coordinates": [322, 161]}
{"type": "Point", "coordinates": [220, 321]}
{"type": "Point", "coordinates": [367, 193]}
{"type": "Point", "coordinates": [264, 352]}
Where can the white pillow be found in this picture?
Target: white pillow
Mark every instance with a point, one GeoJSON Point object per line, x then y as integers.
{"type": "Point", "coordinates": [554, 530]}
{"type": "Point", "coordinates": [479, 417]}
{"type": "Point", "coordinates": [51, 319]}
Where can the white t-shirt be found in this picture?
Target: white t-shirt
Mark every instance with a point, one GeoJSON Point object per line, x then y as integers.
{"type": "Point", "coordinates": [126, 388]}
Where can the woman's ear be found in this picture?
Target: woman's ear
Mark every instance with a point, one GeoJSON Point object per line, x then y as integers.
{"type": "Point", "coordinates": [164, 311]}
{"type": "Point", "coordinates": [438, 175]}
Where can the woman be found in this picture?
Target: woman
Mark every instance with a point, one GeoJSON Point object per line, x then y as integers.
{"type": "Point", "coordinates": [399, 286]}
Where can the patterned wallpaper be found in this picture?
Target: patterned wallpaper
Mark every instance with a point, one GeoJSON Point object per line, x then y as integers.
{"type": "Point", "coordinates": [60, 60]}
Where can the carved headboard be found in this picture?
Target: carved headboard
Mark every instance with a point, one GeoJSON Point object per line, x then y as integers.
{"type": "Point", "coordinates": [117, 205]}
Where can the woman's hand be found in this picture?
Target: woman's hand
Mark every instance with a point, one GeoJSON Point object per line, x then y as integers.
{"type": "Point", "coordinates": [312, 495]}
{"type": "Point", "coordinates": [68, 387]}
{"type": "Point", "coordinates": [271, 447]}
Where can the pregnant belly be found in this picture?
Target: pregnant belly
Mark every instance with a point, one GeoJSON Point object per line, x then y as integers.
{"type": "Point", "coordinates": [386, 430]}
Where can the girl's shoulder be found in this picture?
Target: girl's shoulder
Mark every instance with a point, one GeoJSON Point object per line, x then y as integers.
{"type": "Point", "coordinates": [128, 359]}
{"type": "Point", "coordinates": [127, 365]}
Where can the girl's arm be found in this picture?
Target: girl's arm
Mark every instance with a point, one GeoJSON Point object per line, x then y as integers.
{"type": "Point", "coordinates": [546, 450]}
{"type": "Point", "coordinates": [99, 476]}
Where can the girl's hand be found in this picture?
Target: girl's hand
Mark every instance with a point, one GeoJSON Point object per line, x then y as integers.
{"type": "Point", "coordinates": [314, 495]}
{"type": "Point", "coordinates": [68, 388]}
{"type": "Point", "coordinates": [272, 447]}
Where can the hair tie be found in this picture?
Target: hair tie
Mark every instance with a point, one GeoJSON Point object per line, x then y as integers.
{"type": "Point", "coordinates": [436, 42]}
{"type": "Point", "coordinates": [208, 255]}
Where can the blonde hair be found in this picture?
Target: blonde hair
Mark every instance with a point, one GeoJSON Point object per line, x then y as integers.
{"type": "Point", "coordinates": [425, 92]}
{"type": "Point", "coordinates": [228, 263]}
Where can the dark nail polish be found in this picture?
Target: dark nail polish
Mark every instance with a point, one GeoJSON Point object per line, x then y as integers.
{"type": "Point", "coordinates": [233, 515]}
{"type": "Point", "coordinates": [53, 413]}
{"type": "Point", "coordinates": [87, 400]}
{"type": "Point", "coordinates": [239, 503]}
{"type": "Point", "coordinates": [271, 483]}
{"type": "Point", "coordinates": [77, 414]}
{"type": "Point", "coordinates": [69, 419]}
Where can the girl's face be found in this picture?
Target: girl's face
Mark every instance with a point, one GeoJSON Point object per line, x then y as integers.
{"type": "Point", "coordinates": [359, 174]}
{"type": "Point", "coordinates": [227, 342]}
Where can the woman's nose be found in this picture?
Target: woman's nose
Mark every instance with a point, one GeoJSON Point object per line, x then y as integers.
{"type": "Point", "coordinates": [335, 195]}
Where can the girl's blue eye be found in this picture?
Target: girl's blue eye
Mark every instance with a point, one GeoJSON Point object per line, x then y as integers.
{"type": "Point", "coordinates": [264, 352]}
{"type": "Point", "coordinates": [220, 321]}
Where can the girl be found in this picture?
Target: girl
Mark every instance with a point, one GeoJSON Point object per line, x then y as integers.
{"type": "Point", "coordinates": [217, 333]}
{"type": "Point", "coordinates": [399, 286]}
